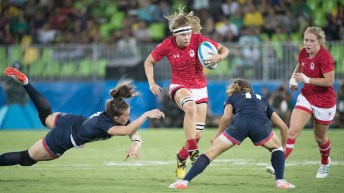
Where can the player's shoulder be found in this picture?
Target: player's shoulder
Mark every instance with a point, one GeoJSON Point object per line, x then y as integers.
{"type": "Point", "coordinates": [324, 53]}
{"type": "Point", "coordinates": [198, 38]}
{"type": "Point", "coordinates": [168, 41]}
{"type": "Point", "coordinates": [303, 52]}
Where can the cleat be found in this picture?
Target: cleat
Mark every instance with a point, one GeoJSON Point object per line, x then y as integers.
{"type": "Point", "coordinates": [179, 184]}
{"type": "Point", "coordinates": [16, 75]}
{"type": "Point", "coordinates": [270, 170]}
{"type": "Point", "coordinates": [324, 170]}
{"type": "Point", "coordinates": [283, 184]}
{"type": "Point", "coordinates": [180, 171]}
{"type": "Point", "coordinates": [193, 156]}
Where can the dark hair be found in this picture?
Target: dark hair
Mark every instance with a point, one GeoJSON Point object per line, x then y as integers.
{"type": "Point", "coordinates": [239, 85]}
{"type": "Point", "coordinates": [116, 105]}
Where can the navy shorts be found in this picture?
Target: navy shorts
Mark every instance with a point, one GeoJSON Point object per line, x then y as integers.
{"type": "Point", "coordinates": [57, 141]}
{"type": "Point", "coordinates": [258, 130]}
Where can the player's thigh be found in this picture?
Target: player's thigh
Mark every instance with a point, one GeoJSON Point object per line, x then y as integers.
{"type": "Point", "coordinates": [180, 95]}
{"type": "Point", "coordinates": [38, 152]}
{"type": "Point", "coordinates": [298, 120]}
{"type": "Point", "coordinates": [51, 120]}
{"type": "Point", "coordinates": [273, 142]}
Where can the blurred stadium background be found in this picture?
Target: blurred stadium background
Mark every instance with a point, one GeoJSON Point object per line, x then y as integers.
{"type": "Point", "coordinates": [75, 51]}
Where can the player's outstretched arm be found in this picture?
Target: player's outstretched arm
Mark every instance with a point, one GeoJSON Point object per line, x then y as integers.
{"type": "Point", "coordinates": [132, 127]}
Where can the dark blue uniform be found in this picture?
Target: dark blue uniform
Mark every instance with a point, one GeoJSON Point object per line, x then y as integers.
{"type": "Point", "coordinates": [75, 130]}
{"type": "Point", "coordinates": [251, 118]}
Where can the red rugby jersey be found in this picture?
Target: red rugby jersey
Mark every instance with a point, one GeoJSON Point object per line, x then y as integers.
{"type": "Point", "coordinates": [185, 66]}
{"type": "Point", "coordinates": [323, 97]}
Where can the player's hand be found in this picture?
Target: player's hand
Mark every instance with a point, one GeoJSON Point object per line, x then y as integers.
{"type": "Point", "coordinates": [300, 77]}
{"type": "Point", "coordinates": [213, 59]}
{"type": "Point", "coordinates": [155, 89]}
{"type": "Point", "coordinates": [293, 84]}
{"type": "Point", "coordinates": [133, 151]}
{"type": "Point", "coordinates": [155, 114]}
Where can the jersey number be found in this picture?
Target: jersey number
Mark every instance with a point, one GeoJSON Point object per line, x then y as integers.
{"type": "Point", "coordinates": [249, 95]}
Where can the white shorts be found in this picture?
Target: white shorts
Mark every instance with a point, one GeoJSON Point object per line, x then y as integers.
{"type": "Point", "coordinates": [199, 95]}
{"type": "Point", "coordinates": [321, 115]}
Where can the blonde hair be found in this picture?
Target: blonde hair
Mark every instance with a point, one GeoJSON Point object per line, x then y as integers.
{"type": "Point", "coordinates": [239, 85]}
{"type": "Point", "coordinates": [319, 33]}
{"type": "Point", "coordinates": [181, 19]}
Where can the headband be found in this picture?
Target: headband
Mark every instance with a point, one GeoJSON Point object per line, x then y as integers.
{"type": "Point", "coordinates": [182, 30]}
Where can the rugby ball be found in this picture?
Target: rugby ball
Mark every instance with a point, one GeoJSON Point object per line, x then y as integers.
{"type": "Point", "coordinates": [204, 52]}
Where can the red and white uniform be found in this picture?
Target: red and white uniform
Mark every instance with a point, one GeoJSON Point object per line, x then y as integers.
{"type": "Point", "coordinates": [323, 97]}
{"type": "Point", "coordinates": [185, 66]}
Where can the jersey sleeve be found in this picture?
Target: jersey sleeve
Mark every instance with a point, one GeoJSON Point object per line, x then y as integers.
{"type": "Point", "coordinates": [327, 63]}
{"type": "Point", "coordinates": [302, 54]}
{"type": "Point", "coordinates": [229, 101]}
{"type": "Point", "coordinates": [159, 51]}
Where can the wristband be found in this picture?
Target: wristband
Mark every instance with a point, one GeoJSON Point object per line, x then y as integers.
{"type": "Point", "coordinates": [292, 81]}
{"type": "Point", "coordinates": [138, 140]}
{"type": "Point", "coordinates": [305, 78]}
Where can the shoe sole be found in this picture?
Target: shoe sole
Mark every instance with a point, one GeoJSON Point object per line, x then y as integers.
{"type": "Point", "coordinates": [15, 74]}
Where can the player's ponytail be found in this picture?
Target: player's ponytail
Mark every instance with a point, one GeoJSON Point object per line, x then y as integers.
{"type": "Point", "coordinates": [124, 89]}
{"type": "Point", "coordinates": [239, 85]}
{"type": "Point", "coordinates": [116, 105]}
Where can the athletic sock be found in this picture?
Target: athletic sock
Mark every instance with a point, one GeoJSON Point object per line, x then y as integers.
{"type": "Point", "coordinates": [192, 145]}
{"type": "Point", "coordinates": [183, 154]}
{"type": "Point", "coordinates": [40, 102]}
{"type": "Point", "coordinates": [289, 147]}
{"type": "Point", "coordinates": [198, 167]}
{"type": "Point", "coordinates": [277, 162]}
{"type": "Point", "coordinates": [10, 159]}
{"type": "Point", "coordinates": [325, 151]}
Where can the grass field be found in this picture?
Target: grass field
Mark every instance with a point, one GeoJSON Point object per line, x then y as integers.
{"type": "Point", "coordinates": [99, 166]}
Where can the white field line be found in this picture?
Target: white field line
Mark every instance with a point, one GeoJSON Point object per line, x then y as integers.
{"type": "Point", "coordinates": [219, 162]}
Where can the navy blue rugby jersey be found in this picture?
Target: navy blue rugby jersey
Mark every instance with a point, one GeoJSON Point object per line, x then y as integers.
{"type": "Point", "coordinates": [249, 105]}
{"type": "Point", "coordinates": [92, 128]}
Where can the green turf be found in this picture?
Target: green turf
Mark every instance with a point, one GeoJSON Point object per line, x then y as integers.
{"type": "Point", "coordinates": [99, 166]}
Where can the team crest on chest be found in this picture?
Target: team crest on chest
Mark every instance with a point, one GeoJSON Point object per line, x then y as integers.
{"type": "Point", "coordinates": [192, 53]}
{"type": "Point", "coordinates": [311, 66]}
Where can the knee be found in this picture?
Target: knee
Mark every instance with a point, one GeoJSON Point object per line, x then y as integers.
{"type": "Point", "coordinates": [293, 133]}
{"type": "Point", "coordinates": [43, 115]}
{"type": "Point", "coordinates": [321, 140]}
{"type": "Point", "coordinates": [190, 109]}
{"type": "Point", "coordinates": [25, 159]}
